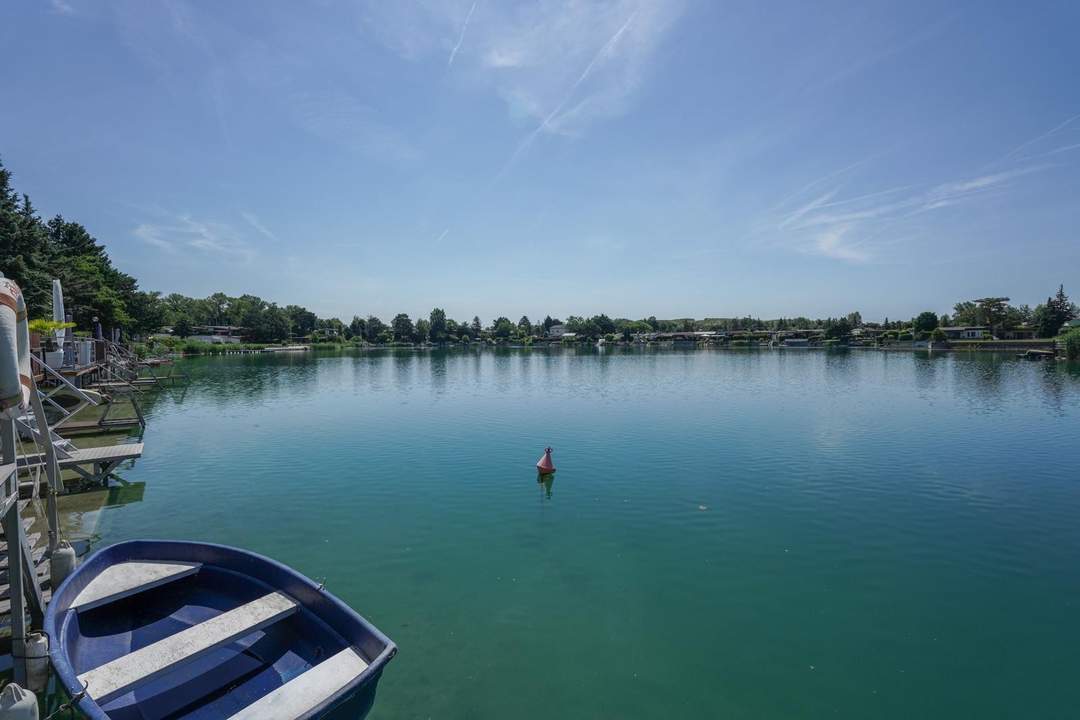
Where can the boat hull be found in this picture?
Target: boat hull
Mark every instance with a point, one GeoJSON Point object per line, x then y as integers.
{"type": "Point", "coordinates": [222, 680]}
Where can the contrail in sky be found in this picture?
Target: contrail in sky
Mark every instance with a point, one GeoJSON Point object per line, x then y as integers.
{"type": "Point", "coordinates": [461, 38]}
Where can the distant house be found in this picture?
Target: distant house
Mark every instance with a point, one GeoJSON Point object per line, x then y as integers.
{"type": "Point", "coordinates": [219, 334]}
{"type": "Point", "coordinates": [556, 331]}
{"type": "Point", "coordinates": [1071, 325]}
{"type": "Point", "coordinates": [965, 332]}
{"type": "Point", "coordinates": [1022, 332]}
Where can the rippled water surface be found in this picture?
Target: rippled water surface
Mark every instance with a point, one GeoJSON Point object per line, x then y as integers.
{"type": "Point", "coordinates": [768, 534]}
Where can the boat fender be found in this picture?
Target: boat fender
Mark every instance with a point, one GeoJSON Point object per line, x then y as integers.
{"type": "Point", "coordinates": [36, 654]}
{"type": "Point", "coordinates": [17, 703]}
{"type": "Point", "coordinates": [62, 562]}
{"type": "Point", "coordinates": [15, 382]}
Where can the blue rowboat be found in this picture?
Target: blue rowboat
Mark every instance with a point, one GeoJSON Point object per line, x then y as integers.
{"type": "Point", "coordinates": [152, 629]}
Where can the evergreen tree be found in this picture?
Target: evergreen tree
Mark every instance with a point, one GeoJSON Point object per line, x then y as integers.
{"type": "Point", "coordinates": [437, 322]}
{"type": "Point", "coordinates": [403, 328]}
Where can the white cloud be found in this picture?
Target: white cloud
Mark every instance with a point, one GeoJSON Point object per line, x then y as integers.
{"type": "Point", "coordinates": [62, 8]}
{"type": "Point", "coordinates": [824, 225]}
{"type": "Point", "coordinates": [253, 220]}
{"type": "Point", "coordinates": [1039, 138]}
{"type": "Point", "coordinates": [341, 119]}
{"type": "Point", "coordinates": [153, 235]}
{"type": "Point", "coordinates": [182, 232]}
{"type": "Point", "coordinates": [552, 60]}
{"type": "Point", "coordinates": [833, 244]}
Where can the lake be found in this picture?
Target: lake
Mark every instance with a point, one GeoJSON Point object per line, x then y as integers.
{"type": "Point", "coordinates": [755, 534]}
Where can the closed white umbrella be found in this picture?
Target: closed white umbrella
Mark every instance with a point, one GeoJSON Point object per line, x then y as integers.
{"type": "Point", "coordinates": [58, 308]}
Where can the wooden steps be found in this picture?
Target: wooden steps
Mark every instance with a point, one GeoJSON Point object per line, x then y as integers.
{"type": "Point", "coordinates": [41, 568]}
{"type": "Point", "coordinates": [31, 540]}
{"type": "Point", "coordinates": [38, 554]}
{"type": "Point", "coordinates": [129, 578]}
{"type": "Point", "coordinates": [27, 522]}
{"type": "Point", "coordinates": [124, 673]}
{"type": "Point", "coordinates": [307, 691]}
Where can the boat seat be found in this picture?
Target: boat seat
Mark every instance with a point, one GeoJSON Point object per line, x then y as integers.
{"type": "Point", "coordinates": [126, 579]}
{"type": "Point", "coordinates": [124, 673]}
{"type": "Point", "coordinates": [307, 691]}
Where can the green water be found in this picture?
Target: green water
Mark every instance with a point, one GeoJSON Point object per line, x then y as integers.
{"type": "Point", "coordinates": [767, 534]}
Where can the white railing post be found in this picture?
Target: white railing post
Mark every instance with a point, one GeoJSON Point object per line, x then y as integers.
{"type": "Point", "coordinates": [12, 524]}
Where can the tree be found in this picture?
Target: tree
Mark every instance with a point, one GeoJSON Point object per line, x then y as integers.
{"type": "Point", "coordinates": [403, 328]}
{"type": "Point", "coordinates": [147, 313]}
{"type": "Point", "coordinates": [965, 313]}
{"type": "Point", "coordinates": [358, 327]}
{"type": "Point", "coordinates": [301, 319]}
{"type": "Point", "coordinates": [992, 311]}
{"type": "Point", "coordinates": [182, 326]}
{"type": "Point", "coordinates": [503, 328]}
{"type": "Point", "coordinates": [605, 325]}
{"type": "Point", "coordinates": [438, 327]}
{"type": "Point", "coordinates": [524, 326]}
{"type": "Point", "coordinates": [475, 329]}
{"type": "Point", "coordinates": [926, 321]}
{"type": "Point", "coordinates": [855, 319]}
{"type": "Point", "coordinates": [273, 325]}
{"type": "Point", "coordinates": [838, 329]}
{"type": "Point", "coordinates": [374, 328]}
{"type": "Point", "coordinates": [1054, 315]}
{"type": "Point", "coordinates": [423, 331]}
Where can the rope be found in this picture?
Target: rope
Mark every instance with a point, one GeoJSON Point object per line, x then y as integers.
{"type": "Point", "coordinates": [35, 472]}
{"type": "Point", "coordinates": [69, 705]}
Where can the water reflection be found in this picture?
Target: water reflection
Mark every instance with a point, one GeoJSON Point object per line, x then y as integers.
{"type": "Point", "coordinates": [546, 482]}
{"type": "Point", "coordinates": [80, 512]}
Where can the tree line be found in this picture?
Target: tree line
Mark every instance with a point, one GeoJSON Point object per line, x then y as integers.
{"type": "Point", "coordinates": [33, 251]}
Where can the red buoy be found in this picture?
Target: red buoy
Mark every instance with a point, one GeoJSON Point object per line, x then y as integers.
{"type": "Point", "coordinates": [545, 465]}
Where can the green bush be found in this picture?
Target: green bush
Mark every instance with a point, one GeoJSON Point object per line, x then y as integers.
{"type": "Point", "coordinates": [47, 326]}
{"type": "Point", "coordinates": [938, 335]}
{"type": "Point", "coordinates": [1072, 344]}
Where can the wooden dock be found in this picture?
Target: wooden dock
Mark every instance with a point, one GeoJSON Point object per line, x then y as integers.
{"type": "Point", "coordinates": [92, 464]}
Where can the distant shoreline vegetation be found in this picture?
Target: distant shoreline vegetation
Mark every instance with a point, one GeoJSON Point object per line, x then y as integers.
{"type": "Point", "coordinates": [34, 251]}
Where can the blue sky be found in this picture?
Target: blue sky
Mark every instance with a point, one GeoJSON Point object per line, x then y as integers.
{"type": "Point", "coordinates": [629, 157]}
